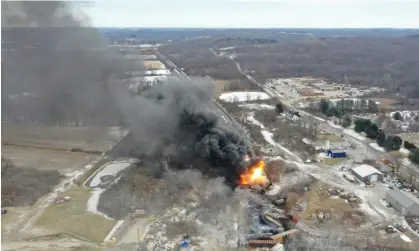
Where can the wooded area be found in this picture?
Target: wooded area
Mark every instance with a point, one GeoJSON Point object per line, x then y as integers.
{"type": "Point", "coordinates": [366, 61]}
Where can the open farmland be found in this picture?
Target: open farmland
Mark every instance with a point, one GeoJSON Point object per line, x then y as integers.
{"type": "Point", "coordinates": [35, 159]}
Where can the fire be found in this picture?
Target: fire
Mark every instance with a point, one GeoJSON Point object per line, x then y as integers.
{"type": "Point", "coordinates": [254, 175]}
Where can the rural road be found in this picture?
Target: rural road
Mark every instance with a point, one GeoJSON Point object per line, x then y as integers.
{"type": "Point", "coordinates": [371, 152]}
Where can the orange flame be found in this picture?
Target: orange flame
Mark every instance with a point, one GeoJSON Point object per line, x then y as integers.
{"type": "Point", "coordinates": [254, 175]}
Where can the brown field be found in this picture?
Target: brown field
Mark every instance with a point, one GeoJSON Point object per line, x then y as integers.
{"type": "Point", "coordinates": [219, 86]}
{"type": "Point", "coordinates": [318, 200]}
{"type": "Point", "coordinates": [49, 148]}
{"type": "Point", "coordinates": [154, 65]}
{"type": "Point", "coordinates": [60, 137]}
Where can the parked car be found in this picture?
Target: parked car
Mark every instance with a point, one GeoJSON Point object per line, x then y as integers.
{"type": "Point", "coordinates": [3, 211]}
{"type": "Point", "coordinates": [349, 178]}
{"type": "Point", "coordinates": [390, 229]}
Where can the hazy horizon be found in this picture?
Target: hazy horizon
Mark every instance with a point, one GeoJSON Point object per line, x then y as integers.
{"type": "Point", "coordinates": [280, 14]}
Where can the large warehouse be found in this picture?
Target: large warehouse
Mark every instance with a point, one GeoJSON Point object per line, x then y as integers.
{"type": "Point", "coordinates": [367, 173]}
{"type": "Point", "coordinates": [405, 203]}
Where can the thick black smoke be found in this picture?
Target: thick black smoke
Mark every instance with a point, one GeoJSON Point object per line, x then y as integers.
{"type": "Point", "coordinates": [177, 122]}
{"type": "Point", "coordinates": [223, 147]}
{"type": "Point", "coordinates": [57, 71]}
{"type": "Point", "coordinates": [53, 68]}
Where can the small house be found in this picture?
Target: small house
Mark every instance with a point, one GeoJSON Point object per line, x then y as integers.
{"type": "Point", "coordinates": [336, 153]}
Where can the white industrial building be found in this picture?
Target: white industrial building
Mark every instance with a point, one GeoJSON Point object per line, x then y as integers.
{"type": "Point", "coordinates": [367, 173]}
{"type": "Point", "coordinates": [405, 203]}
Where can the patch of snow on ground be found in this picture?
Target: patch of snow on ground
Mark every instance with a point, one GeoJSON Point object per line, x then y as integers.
{"type": "Point", "coordinates": [354, 134]}
{"type": "Point", "coordinates": [404, 150]}
{"type": "Point", "coordinates": [258, 106]}
{"type": "Point", "coordinates": [322, 156]}
{"type": "Point", "coordinates": [406, 115]}
{"type": "Point", "coordinates": [243, 96]}
{"type": "Point", "coordinates": [308, 114]}
{"type": "Point", "coordinates": [94, 201]}
{"type": "Point", "coordinates": [377, 147]}
{"type": "Point", "coordinates": [333, 124]}
{"type": "Point", "coordinates": [368, 210]}
{"type": "Point", "coordinates": [268, 137]}
{"type": "Point", "coordinates": [405, 238]}
{"type": "Point", "coordinates": [109, 169]}
{"type": "Point", "coordinates": [255, 122]}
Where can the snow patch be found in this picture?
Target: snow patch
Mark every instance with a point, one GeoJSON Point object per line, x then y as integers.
{"type": "Point", "coordinates": [322, 156]}
{"type": "Point", "coordinates": [94, 201]}
{"type": "Point", "coordinates": [334, 125]}
{"type": "Point", "coordinates": [255, 122]}
{"type": "Point", "coordinates": [243, 96]}
{"type": "Point", "coordinates": [109, 169]}
{"type": "Point", "coordinates": [368, 210]}
{"type": "Point", "coordinates": [377, 147]}
{"type": "Point", "coordinates": [269, 138]}
{"type": "Point", "coordinates": [404, 150]}
{"type": "Point", "coordinates": [405, 238]}
{"type": "Point", "coordinates": [354, 134]}
{"type": "Point", "coordinates": [258, 106]}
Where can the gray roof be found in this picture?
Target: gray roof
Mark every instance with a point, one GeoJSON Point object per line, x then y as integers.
{"type": "Point", "coordinates": [404, 198]}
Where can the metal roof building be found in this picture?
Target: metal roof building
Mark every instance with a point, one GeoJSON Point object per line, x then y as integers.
{"type": "Point", "coordinates": [367, 173]}
{"type": "Point", "coordinates": [336, 153]}
{"type": "Point", "coordinates": [406, 203]}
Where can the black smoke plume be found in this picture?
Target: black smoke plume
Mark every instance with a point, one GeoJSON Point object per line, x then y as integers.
{"type": "Point", "coordinates": [54, 67]}
{"type": "Point", "coordinates": [56, 70]}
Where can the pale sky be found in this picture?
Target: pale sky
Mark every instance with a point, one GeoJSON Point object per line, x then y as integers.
{"type": "Point", "coordinates": [255, 13]}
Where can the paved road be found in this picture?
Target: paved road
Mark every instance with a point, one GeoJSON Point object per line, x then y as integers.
{"type": "Point", "coordinates": [370, 152]}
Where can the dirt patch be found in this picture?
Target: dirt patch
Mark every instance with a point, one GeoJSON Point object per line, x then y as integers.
{"type": "Point", "coordinates": [73, 217]}
{"type": "Point", "coordinates": [220, 86]}
{"type": "Point", "coordinates": [334, 161]}
{"type": "Point", "coordinates": [318, 200]}
{"type": "Point", "coordinates": [154, 65]}
{"type": "Point", "coordinates": [24, 186]}
{"type": "Point", "coordinates": [330, 137]}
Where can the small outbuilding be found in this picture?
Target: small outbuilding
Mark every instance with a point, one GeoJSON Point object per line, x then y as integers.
{"type": "Point", "coordinates": [336, 153]}
{"type": "Point", "coordinates": [405, 203]}
{"type": "Point", "coordinates": [367, 173]}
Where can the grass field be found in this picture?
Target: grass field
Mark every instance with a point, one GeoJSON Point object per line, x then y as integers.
{"type": "Point", "coordinates": [8, 219]}
{"type": "Point", "coordinates": [73, 217]}
{"type": "Point", "coordinates": [333, 161]}
{"type": "Point", "coordinates": [330, 137]}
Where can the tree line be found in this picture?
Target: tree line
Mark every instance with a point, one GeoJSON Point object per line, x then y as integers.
{"type": "Point", "coordinates": [372, 131]}
{"type": "Point", "coordinates": [344, 106]}
{"type": "Point", "coordinates": [388, 142]}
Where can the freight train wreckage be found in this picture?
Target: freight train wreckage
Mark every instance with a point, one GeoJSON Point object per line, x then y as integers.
{"type": "Point", "coordinates": [271, 224]}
